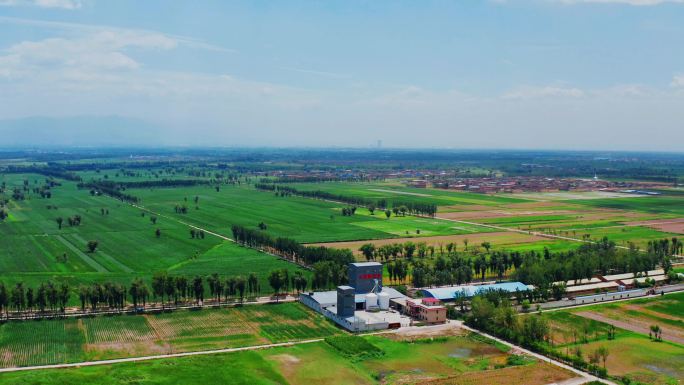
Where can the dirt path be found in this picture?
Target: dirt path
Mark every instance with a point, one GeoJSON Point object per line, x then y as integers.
{"type": "Point", "coordinates": [573, 381]}
{"type": "Point", "coordinates": [586, 376]}
{"type": "Point", "coordinates": [529, 232]}
{"type": "Point", "coordinates": [147, 358]}
{"type": "Point", "coordinates": [633, 326]}
{"type": "Point", "coordinates": [399, 192]}
{"type": "Point", "coordinates": [539, 233]}
{"type": "Point", "coordinates": [221, 236]}
{"type": "Point", "coordinates": [203, 352]}
{"type": "Point", "coordinates": [99, 268]}
{"type": "Point", "coordinates": [182, 223]}
{"type": "Point", "coordinates": [445, 328]}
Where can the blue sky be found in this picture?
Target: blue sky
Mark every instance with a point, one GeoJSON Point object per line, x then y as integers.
{"type": "Point", "coordinates": [571, 74]}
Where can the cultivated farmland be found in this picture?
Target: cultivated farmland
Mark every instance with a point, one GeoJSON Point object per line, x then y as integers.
{"type": "Point", "coordinates": [452, 360]}
{"type": "Point", "coordinates": [177, 221]}
{"type": "Point", "coordinates": [58, 341]}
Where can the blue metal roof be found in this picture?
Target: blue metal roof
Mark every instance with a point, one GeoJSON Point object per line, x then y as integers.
{"type": "Point", "coordinates": [449, 293]}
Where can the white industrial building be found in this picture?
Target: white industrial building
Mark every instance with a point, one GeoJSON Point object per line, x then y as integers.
{"type": "Point", "coordinates": [361, 308]}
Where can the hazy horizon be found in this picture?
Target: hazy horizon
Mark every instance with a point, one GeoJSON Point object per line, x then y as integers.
{"type": "Point", "coordinates": [597, 75]}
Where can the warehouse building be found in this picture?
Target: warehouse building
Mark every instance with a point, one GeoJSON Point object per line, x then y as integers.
{"type": "Point", "coordinates": [450, 293]}
{"type": "Point", "coordinates": [609, 283]}
{"type": "Point", "coordinates": [362, 305]}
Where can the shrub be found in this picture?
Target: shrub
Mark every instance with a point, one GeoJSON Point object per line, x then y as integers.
{"type": "Point", "coordinates": [429, 340]}
{"type": "Point", "coordinates": [516, 360]}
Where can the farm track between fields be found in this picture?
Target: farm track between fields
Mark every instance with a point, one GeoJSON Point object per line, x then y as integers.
{"type": "Point", "coordinates": [439, 329]}
{"type": "Point", "coordinates": [490, 226]}
{"type": "Point", "coordinates": [541, 234]}
{"type": "Point", "coordinates": [91, 262]}
{"type": "Point", "coordinates": [635, 224]}
{"type": "Point", "coordinates": [155, 357]}
{"type": "Point", "coordinates": [218, 235]}
{"type": "Point", "coordinates": [528, 232]}
{"type": "Point", "coordinates": [631, 326]}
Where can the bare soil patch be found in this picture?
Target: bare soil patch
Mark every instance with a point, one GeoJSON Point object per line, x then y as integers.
{"type": "Point", "coordinates": [399, 192]}
{"type": "Point", "coordinates": [540, 373]}
{"type": "Point", "coordinates": [502, 237]}
{"type": "Point", "coordinates": [288, 364]}
{"type": "Point", "coordinates": [465, 215]}
{"type": "Point", "coordinates": [537, 205]}
{"type": "Point", "coordinates": [636, 325]}
{"type": "Point", "coordinates": [465, 208]}
{"type": "Point", "coordinates": [646, 310]}
{"type": "Point", "coordinates": [675, 225]}
{"type": "Point", "coordinates": [126, 349]}
{"type": "Point", "coordinates": [416, 333]}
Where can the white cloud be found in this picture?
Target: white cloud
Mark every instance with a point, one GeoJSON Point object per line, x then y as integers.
{"type": "Point", "coordinates": [678, 81]}
{"type": "Point", "coordinates": [97, 71]}
{"type": "Point", "coordinates": [627, 2]}
{"type": "Point", "coordinates": [103, 50]}
{"type": "Point", "coordinates": [532, 92]}
{"type": "Point", "coordinates": [78, 29]}
{"type": "Point", "coordinates": [334, 75]}
{"type": "Point", "coordinates": [63, 4]}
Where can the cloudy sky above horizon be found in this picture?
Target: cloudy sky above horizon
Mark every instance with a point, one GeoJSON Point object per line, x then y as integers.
{"type": "Point", "coordinates": [556, 74]}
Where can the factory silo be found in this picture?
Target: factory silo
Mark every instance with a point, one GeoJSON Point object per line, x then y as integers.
{"type": "Point", "coordinates": [371, 301]}
{"type": "Point", "coordinates": [383, 301]}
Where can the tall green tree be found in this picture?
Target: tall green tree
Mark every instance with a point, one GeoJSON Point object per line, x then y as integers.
{"type": "Point", "coordinates": [275, 279]}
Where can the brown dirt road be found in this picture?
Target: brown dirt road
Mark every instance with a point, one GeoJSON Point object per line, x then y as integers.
{"type": "Point", "coordinates": [634, 326]}
{"type": "Point", "coordinates": [675, 225]}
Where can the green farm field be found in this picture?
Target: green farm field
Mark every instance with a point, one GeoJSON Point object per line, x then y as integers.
{"type": "Point", "coordinates": [45, 342]}
{"type": "Point", "coordinates": [128, 247]}
{"type": "Point", "coordinates": [657, 205]}
{"type": "Point", "coordinates": [304, 219]}
{"type": "Point", "coordinates": [397, 190]}
{"type": "Point", "coordinates": [576, 222]}
{"type": "Point", "coordinates": [410, 226]}
{"type": "Point", "coordinates": [458, 360]}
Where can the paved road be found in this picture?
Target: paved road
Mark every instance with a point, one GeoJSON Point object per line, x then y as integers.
{"type": "Point", "coordinates": [671, 289]}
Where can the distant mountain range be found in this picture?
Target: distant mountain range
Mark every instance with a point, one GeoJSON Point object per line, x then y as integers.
{"type": "Point", "coordinates": [79, 131]}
